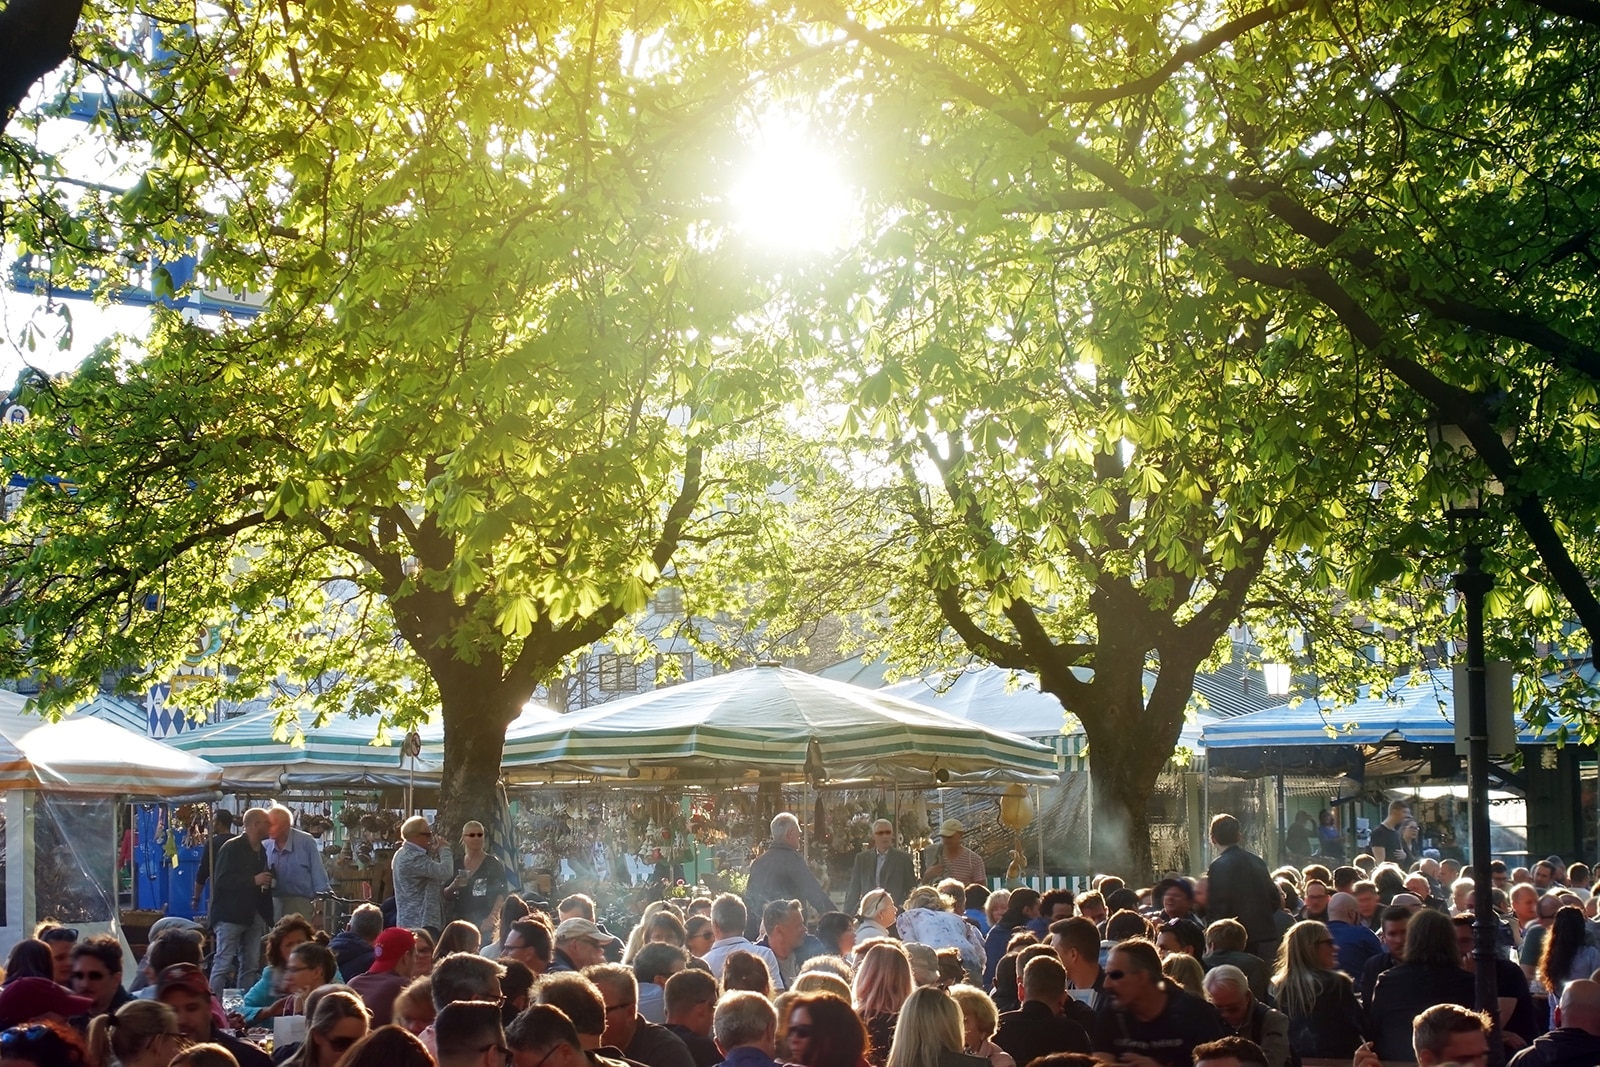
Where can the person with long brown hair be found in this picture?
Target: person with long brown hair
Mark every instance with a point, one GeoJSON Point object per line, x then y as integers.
{"type": "Point", "coordinates": [338, 1022]}
{"type": "Point", "coordinates": [824, 1031]}
{"type": "Point", "coordinates": [288, 934]}
{"type": "Point", "coordinates": [881, 985]}
{"type": "Point", "coordinates": [388, 1046]}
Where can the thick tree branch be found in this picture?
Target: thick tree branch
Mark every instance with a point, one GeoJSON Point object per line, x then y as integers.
{"type": "Point", "coordinates": [35, 38]}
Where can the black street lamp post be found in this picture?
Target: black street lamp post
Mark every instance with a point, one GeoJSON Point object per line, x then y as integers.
{"type": "Point", "coordinates": [1474, 583]}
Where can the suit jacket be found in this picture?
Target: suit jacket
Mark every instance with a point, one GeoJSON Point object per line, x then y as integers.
{"type": "Point", "coordinates": [898, 877]}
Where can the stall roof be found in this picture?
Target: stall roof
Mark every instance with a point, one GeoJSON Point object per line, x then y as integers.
{"type": "Point", "coordinates": [771, 721]}
{"type": "Point", "coordinates": [1418, 709]}
{"type": "Point", "coordinates": [82, 754]}
{"type": "Point", "coordinates": [257, 753]}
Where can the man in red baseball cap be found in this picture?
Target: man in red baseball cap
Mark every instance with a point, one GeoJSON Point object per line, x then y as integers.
{"type": "Point", "coordinates": [394, 959]}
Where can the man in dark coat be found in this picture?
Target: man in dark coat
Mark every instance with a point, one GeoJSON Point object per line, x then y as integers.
{"type": "Point", "coordinates": [1038, 1028]}
{"type": "Point", "coordinates": [880, 867]}
{"type": "Point", "coordinates": [781, 873]}
{"type": "Point", "coordinates": [1241, 888]}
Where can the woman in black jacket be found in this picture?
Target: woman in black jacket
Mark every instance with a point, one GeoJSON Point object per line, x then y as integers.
{"type": "Point", "coordinates": [1429, 973]}
{"type": "Point", "coordinates": [1324, 1015]}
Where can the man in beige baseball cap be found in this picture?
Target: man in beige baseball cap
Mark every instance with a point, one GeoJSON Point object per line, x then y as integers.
{"type": "Point", "coordinates": [955, 860]}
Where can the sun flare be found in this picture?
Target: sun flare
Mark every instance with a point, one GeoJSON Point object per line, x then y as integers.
{"type": "Point", "coordinates": [792, 194]}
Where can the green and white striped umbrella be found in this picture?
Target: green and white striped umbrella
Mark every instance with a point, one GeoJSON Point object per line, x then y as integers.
{"type": "Point", "coordinates": [255, 752]}
{"type": "Point", "coordinates": [771, 722]}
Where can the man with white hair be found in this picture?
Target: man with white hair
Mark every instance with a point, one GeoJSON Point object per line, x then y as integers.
{"type": "Point", "coordinates": [882, 866]}
{"type": "Point", "coordinates": [296, 861]}
{"type": "Point", "coordinates": [423, 865]}
{"type": "Point", "coordinates": [1245, 1015]}
{"type": "Point", "coordinates": [781, 873]}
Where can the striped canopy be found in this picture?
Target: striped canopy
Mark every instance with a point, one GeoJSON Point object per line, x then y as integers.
{"type": "Point", "coordinates": [256, 754]}
{"type": "Point", "coordinates": [771, 722]}
{"type": "Point", "coordinates": [1420, 711]}
{"type": "Point", "coordinates": [86, 755]}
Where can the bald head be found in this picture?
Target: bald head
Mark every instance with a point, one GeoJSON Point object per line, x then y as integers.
{"type": "Point", "coordinates": [1580, 1006]}
{"type": "Point", "coordinates": [1342, 908]}
{"type": "Point", "coordinates": [1405, 900]}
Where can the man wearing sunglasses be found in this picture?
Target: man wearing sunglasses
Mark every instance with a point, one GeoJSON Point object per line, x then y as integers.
{"type": "Point", "coordinates": [423, 865]}
{"type": "Point", "coordinates": [97, 974]}
{"type": "Point", "coordinates": [480, 885]}
{"type": "Point", "coordinates": [468, 1034]}
{"type": "Point", "coordinates": [1149, 1022]}
{"type": "Point", "coordinates": [881, 867]}
{"type": "Point", "coordinates": [543, 1036]}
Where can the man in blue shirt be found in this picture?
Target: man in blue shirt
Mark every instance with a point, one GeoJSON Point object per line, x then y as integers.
{"type": "Point", "coordinates": [296, 861]}
{"type": "Point", "coordinates": [1356, 944]}
{"type": "Point", "coordinates": [746, 1029]}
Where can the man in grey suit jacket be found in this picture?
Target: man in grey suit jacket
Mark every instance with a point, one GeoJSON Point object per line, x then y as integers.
{"type": "Point", "coordinates": [881, 867]}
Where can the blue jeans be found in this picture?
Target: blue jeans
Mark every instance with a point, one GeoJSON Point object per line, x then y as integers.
{"type": "Point", "coordinates": [238, 945]}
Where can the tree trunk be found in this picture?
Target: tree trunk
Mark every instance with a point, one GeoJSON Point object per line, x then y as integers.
{"type": "Point", "coordinates": [474, 743]}
{"type": "Point", "coordinates": [1122, 775]}
{"type": "Point", "coordinates": [35, 38]}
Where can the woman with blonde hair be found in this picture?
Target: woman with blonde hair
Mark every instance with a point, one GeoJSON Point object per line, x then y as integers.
{"type": "Point", "coordinates": [1186, 972]}
{"type": "Point", "coordinates": [636, 936]}
{"type": "Point", "coordinates": [337, 1023]}
{"type": "Point", "coordinates": [1325, 1018]}
{"type": "Point", "coordinates": [928, 920]}
{"type": "Point", "coordinates": [979, 1020]}
{"type": "Point", "coordinates": [882, 984]}
{"type": "Point", "coordinates": [876, 916]}
{"type": "Point", "coordinates": [929, 1034]}
{"type": "Point", "coordinates": [143, 1033]}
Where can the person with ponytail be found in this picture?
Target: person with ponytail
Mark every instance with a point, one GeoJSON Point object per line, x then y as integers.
{"type": "Point", "coordinates": [143, 1033]}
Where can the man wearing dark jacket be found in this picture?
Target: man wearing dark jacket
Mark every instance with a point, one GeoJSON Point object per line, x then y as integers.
{"type": "Point", "coordinates": [1038, 1028]}
{"type": "Point", "coordinates": [1240, 888]}
{"type": "Point", "coordinates": [781, 873]}
{"type": "Point", "coordinates": [352, 946]}
{"type": "Point", "coordinates": [880, 867]}
{"type": "Point", "coordinates": [241, 904]}
{"type": "Point", "coordinates": [1575, 1042]}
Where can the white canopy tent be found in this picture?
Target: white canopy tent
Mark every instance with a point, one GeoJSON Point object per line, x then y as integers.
{"type": "Point", "coordinates": [62, 783]}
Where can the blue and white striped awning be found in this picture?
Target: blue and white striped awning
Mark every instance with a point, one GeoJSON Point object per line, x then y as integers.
{"type": "Point", "coordinates": [1419, 709]}
{"type": "Point", "coordinates": [257, 752]}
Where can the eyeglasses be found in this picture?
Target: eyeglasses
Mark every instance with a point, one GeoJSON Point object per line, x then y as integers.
{"type": "Point", "coordinates": [1116, 976]}
{"type": "Point", "coordinates": [553, 1050]}
{"type": "Point", "coordinates": [342, 1044]}
{"type": "Point", "coordinates": [58, 933]}
{"type": "Point", "coordinates": [90, 976]}
{"type": "Point", "coordinates": [620, 1007]}
{"type": "Point", "coordinates": [472, 835]}
{"type": "Point", "coordinates": [19, 1035]}
{"type": "Point", "coordinates": [801, 1031]}
{"type": "Point", "coordinates": [505, 1053]}
{"type": "Point", "coordinates": [1326, 941]}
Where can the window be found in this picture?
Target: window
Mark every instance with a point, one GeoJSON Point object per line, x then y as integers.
{"type": "Point", "coordinates": [618, 674]}
{"type": "Point", "coordinates": [669, 600]}
{"type": "Point", "coordinates": [674, 667]}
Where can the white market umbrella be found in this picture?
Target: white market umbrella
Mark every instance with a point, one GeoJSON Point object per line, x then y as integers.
{"type": "Point", "coordinates": [771, 722]}
{"type": "Point", "coordinates": [80, 754]}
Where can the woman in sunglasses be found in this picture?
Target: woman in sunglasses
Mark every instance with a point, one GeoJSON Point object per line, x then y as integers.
{"type": "Point", "coordinates": [480, 884]}
{"type": "Point", "coordinates": [824, 1031]}
{"type": "Point", "coordinates": [339, 1021]}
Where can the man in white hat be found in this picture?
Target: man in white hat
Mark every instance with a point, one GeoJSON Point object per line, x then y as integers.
{"type": "Point", "coordinates": [955, 860]}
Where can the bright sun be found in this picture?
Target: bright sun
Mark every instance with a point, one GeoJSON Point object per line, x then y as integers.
{"type": "Point", "coordinates": [791, 195]}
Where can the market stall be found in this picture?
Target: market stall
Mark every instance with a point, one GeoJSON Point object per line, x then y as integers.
{"type": "Point", "coordinates": [62, 784]}
{"type": "Point", "coordinates": [682, 780]}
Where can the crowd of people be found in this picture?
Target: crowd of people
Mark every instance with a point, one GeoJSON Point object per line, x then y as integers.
{"type": "Point", "coordinates": [1365, 963]}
